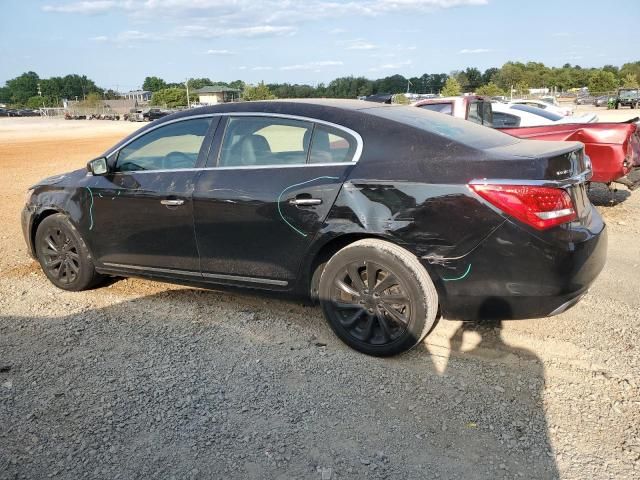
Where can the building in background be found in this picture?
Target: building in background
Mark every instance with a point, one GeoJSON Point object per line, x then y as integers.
{"type": "Point", "coordinates": [140, 96]}
{"type": "Point", "coordinates": [213, 94]}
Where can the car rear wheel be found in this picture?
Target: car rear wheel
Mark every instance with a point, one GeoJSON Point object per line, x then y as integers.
{"type": "Point", "coordinates": [63, 254]}
{"type": "Point", "coordinates": [378, 298]}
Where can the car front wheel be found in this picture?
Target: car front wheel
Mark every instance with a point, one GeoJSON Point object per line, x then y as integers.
{"type": "Point", "coordinates": [63, 255]}
{"type": "Point", "coordinates": [378, 298]}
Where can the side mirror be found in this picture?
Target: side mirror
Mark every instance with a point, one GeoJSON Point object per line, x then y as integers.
{"type": "Point", "coordinates": [98, 166]}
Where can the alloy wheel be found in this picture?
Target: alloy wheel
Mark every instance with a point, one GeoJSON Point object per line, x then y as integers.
{"type": "Point", "coordinates": [60, 255]}
{"type": "Point", "coordinates": [371, 303]}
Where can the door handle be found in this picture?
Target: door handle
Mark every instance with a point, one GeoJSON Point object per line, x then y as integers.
{"type": "Point", "coordinates": [305, 202]}
{"type": "Point", "coordinates": [172, 203]}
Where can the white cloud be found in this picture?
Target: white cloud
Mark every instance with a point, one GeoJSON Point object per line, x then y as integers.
{"type": "Point", "coordinates": [259, 69]}
{"type": "Point", "coordinates": [267, 10]}
{"type": "Point", "coordinates": [201, 31]}
{"type": "Point", "coordinates": [561, 34]}
{"type": "Point", "coordinates": [360, 45]}
{"type": "Point", "coordinates": [336, 31]}
{"type": "Point", "coordinates": [100, 38]}
{"type": "Point", "coordinates": [220, 52]}
{"type": "Point", "coordinates": [391, 66]}
{"type": "Point", "coordinates": [313, 65]}
{"type": "Point", "coordinates": [88, 7]}
{"type": "Point", "coordinates": [474, 50]}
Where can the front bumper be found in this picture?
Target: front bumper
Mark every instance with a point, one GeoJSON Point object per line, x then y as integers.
{"type": "Point", "coordinates": [514, 275]}
{"type": "Point", "coordinates": [27, 218]}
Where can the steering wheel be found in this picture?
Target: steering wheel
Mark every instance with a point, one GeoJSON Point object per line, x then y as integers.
{"type": "Point", "coordinates": [175, 160]}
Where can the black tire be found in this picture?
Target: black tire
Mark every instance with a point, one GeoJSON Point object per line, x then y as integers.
{"type": "Point", "coordinates": [63, 254]}
{"type": "Point", "coordinates": [361, 313]}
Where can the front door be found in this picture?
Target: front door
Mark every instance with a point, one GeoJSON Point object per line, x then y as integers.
{"type": "Point", "coordinates": [141, 213]}
{"type": "Point", "coordinates": [273, 183]}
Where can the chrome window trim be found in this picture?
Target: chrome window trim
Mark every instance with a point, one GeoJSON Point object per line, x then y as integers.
{"type": "Point", "coordinates": [575, 180]}
{"type": "Point", "coordinates": [219, 276]}
{"type": "Point", "coordinates": [356, 155]}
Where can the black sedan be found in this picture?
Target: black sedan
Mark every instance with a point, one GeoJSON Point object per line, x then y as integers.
{"type": "Point", "coordinates": [390, 216]}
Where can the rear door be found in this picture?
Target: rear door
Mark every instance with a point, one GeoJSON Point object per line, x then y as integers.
{"type": "Point", "coordinates": [269, 186]}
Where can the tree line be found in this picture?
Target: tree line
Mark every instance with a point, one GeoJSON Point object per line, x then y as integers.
{"type": "Point", "coordinates": [32, 91]}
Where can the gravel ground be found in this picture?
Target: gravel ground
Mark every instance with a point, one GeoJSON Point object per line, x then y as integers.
{"type": "Point", "coordinates": [139, 379]}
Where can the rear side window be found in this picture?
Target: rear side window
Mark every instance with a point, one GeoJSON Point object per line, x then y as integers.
{"type": "Point", "coordinates": [446, 108]}
{"type": "Point", "coordinates": [330, 145]}
{"type": "Point", "coordinates": [255, 141]}
{"type": "Point", "coordinates": [504, 120]}
{"type": "Point", "coordinates": [480, 113]}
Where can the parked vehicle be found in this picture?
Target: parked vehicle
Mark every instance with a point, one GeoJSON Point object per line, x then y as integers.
{"type": "Point", "coordinates": [135, 115]}
{"type": "Point", "coordinates": [628, 97]}
{"type": "Point", "coordinates": [562, 111]}
{"type": "Point", "coordinates": [470, 107]}
{"type": "Point", "coordinates": [602, 100]}
{"type": "Point", "coordinates": [386, 214]}
{"type": "Point", "coordinates": [154, 114]}
{"type": "Point", "coordinates": [520, 115]}
{"type": "Point", "coordinates": [585, 100]}
{"type": "Point", "coordinates": [614, 148]}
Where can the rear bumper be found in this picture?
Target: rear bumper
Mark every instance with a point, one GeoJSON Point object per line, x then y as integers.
{"type": "Point", "coordinates": [514, 275]}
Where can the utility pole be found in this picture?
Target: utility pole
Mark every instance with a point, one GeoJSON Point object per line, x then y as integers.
{"type": "Point", "coordinates": [40, 94]}
{"type": "Point", "coordinates": [187, 85]}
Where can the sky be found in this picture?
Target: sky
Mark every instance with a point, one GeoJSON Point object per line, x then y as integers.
{"type": "Point", "coordinates": [117, 43]}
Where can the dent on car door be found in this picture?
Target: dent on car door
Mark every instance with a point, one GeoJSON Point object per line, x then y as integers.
{"type": "Point", "coordinates": [274, 182]}
{"type": "Point", "coordinates": [141, 211]}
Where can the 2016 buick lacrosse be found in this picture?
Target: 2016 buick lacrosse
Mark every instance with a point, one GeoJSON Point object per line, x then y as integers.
{"type": "Point", "coordinates": [390, 216]}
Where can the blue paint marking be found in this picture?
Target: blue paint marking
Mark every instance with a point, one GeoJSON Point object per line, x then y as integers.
{"type": "Point", "coordinates": [458, 278]}
{"type": "Point", "coordinates": [293, 186]}
{"type": "Point", "coordinates": [90, 209]}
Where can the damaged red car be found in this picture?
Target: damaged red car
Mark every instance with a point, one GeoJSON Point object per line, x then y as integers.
{"type": "Point", "coordinates": [614, 148]}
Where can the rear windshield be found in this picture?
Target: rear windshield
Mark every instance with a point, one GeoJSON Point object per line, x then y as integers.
{"type": "Point", "coordinates": [456, 129]}
{"type": "Point", "coordinates": [538, 111]}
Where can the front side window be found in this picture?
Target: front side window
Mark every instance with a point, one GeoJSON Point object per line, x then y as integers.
{"type": "Point", "coordinates": [169, 147]}
{"type": "Point", "coordinates": [255, 141]}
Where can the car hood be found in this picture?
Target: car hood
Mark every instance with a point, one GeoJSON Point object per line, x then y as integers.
{"type": "Point", "coordinates": [62, 179]}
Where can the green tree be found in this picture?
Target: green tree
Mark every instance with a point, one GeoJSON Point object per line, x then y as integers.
{"type": "Point", "coordinates": [154, 84]}
{"type": "Point", "coordinates": [601, 82]}
{"type": "Point", "coordinates": [451, 88]}
{"type": "Point", "coordinates": [630, 81]}
{"type": "Point", "coordinates": [490, 89]}
{"type": "Point", "coordinates": [34, 102]}
{"type": "Point", "coordinates": [23, 87]}
{"type": "Point", "coordinates": [93, 100]}
{"type": "Point", "coordinates": [633, 68]}
{"type": "Point", "coordinates": [400, 99]}
{"type": "Point", "coordinates": [257, 92]}
{"type": "Point", "coordinates": [474, 78]}
{"type": "Point", "coordinates": [170, 97]}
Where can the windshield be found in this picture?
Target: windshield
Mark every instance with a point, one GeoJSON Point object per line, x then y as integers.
{"type": "Point", "coordinates": [554, 117]}
{"type": "Point", "coordinates": [628, 93]}
{"type": "Point", "coordinates": [456, 129]}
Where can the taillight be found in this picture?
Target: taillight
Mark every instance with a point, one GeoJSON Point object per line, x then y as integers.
{"type": "Point", "coordinates": [539, 207]}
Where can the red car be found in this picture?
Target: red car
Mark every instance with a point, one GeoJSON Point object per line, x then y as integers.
{"type": "Point", "coordinates": [614, 148]}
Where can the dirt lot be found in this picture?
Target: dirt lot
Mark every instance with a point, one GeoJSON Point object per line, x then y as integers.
{"type": "Point", "coordinates": [146, 380]}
